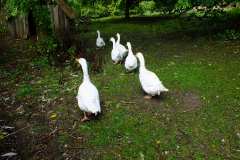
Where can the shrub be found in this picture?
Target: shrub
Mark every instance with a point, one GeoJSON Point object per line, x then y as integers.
{"type": "Point", "coordinates": [47, 46]}
{"type": "Point", "coordinates": [147, 7]}
{"type": "Point", "coordinates": [114, 9]}
{"type": "Point", "coordinates": [40, 62]}
{"type": "Point", "coordinates": [42, 19]}
{"type": "Point", "coordinates": [72, 52]}
{"type": "Point", "coordinates": [100, 9]}
{"type": "Point", "coordinates": [86, 11]}
{"type": "Point", "coordinates": [182, 5]}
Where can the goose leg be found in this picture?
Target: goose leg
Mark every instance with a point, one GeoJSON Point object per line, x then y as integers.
{"type": "Point", "coordinates": [147, 97]}
{"type": "Point", "coordinates": [89, 114]}
{"type": "Point", "coordinates": [85, 118]}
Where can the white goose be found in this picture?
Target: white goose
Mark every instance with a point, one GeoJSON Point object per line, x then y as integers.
{"type": "Point", "coordinates": [149, 80]}
{"type": "Point", "coordinates": [131, 60]}
{"type": "Point", "coordinates": [99, 41]}
{"type": "Point", "coordinates": [116, 57]}
{"type": "Point", "coordinates": [87, 97]}
{"type": "Point", "coordinates": [121, 48]}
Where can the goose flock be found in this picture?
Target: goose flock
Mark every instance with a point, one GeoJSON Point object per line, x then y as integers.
{"type": "Point", "coordinates": [88, 96]}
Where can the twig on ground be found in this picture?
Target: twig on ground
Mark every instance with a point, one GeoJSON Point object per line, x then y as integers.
{"type": "Point", "coordinates": [125, 102]}
{"type": "Point", "coordinates": [16, 131]}
{"type": "Point", "coordinates": [51, 134]}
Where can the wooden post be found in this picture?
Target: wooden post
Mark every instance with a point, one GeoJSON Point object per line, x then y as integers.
{"type": "Point", "coordinates": [12, 27]}
{"type": "Point", "coordinates": [55, 18]}
{"type": "Point", "coordinates": [18, 27]}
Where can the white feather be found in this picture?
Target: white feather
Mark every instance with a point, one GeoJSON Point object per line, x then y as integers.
{"type": "Point", "coordinates": [99, 41]}
{"type": "Point", "coordinates": [115, 55]}
{"type": "Point", "coordinates": [131, 60]}
{"type": "Point", "coordinates": [88, 96]}
{"type": "Point", "coordinates": [122, 49]}
{"type": "Point", "coordinates": [149, 80]}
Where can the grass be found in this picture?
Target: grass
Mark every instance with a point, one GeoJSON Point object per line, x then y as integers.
{"type": "Point", "coordinates": [197, 119]}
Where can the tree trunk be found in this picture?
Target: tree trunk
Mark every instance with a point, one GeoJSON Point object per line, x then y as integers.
{"type": "Point", "coordinates": [31, 24]}
{"type": "Point", "coordinates": [66, 9]}
{"type": "Point", "coordinates": [127, 6]}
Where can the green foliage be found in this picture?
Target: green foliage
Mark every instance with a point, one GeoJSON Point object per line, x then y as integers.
{"type": "Point", "coordinates": [210, 3]}
{"type": "Point", "coordinates": [100, 10]}
{"type": "Point", "coordinates": [234, 12]}
{"type": "Point", "coordinates": [11, 7]}
{"type": "Point", "coordinates": [47, 46]}
{"type": "Point", "coordinates": [3, 29]}
{"type": "Point", "coordinates": [72, 52]}
{"type": "Point", "coordinates": [97, 9]}
{"type": "Point", "coordinates": [200, 14]}
{"type": "Point", "coordinates": [147, 7]}
{"type": "Point", "coordinates": [16, 7]}
{"type": "Point", "coordinates": [24, 90]}
{"type": "Point", "coordinates": [40, 62]}
{"type": "Point", "coordinates": [205, 2]}
{"type": "Point", "coordinates": [183, 4]}
{"type": "Point", "coordinates": [42, 18]}
{"type": "Point", "coordinates": [114, 8]}
{"type": "Point", "coordinates": [40, 12]}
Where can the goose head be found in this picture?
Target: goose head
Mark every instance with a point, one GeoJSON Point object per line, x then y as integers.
{"type": "Point", "coordinates": [98, 32]}
{"type": "Point", "coordinates": [118, 35]}
{"type": "Point", "coordinates": [129, 47]}
{"type": "Point", "coordinates": [118, 38]}
{"type": "Point", "coordinates": [139, 55]}
{"type": "Point", "coordinates": [82, 62]}
{"type": "Point", "coordinates": [112, 40]}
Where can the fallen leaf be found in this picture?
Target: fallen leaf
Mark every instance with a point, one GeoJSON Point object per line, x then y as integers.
{"type": "Point", "coordinates": [53, 116]}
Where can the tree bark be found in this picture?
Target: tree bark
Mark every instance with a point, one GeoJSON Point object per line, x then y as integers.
{"type": "Point", "coordinates": [127, 6]}
{"type": "Point", "coordinates": [66, 9]}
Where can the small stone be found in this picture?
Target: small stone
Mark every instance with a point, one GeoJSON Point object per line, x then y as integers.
{"type": "Point", "coordinates": [238, 134]}
{"type": "Point", "coordinates": [223, 140]}
{"type": "Point", "coordinates": [65, 154]}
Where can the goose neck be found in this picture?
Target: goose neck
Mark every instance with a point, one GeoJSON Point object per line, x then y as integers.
{"type": "Point", "coordinates": [118, 39]}
{"type": "Point", "coordinates": [130, 50]}
{"type": "Point", "coordinates": [98, 33]}
{"type": "Point", "coordinates": [142, 62]}
{"type": "Point", "coordinates": [85, 73]}
{"type": "Point", "coordinates": [114, 43]}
